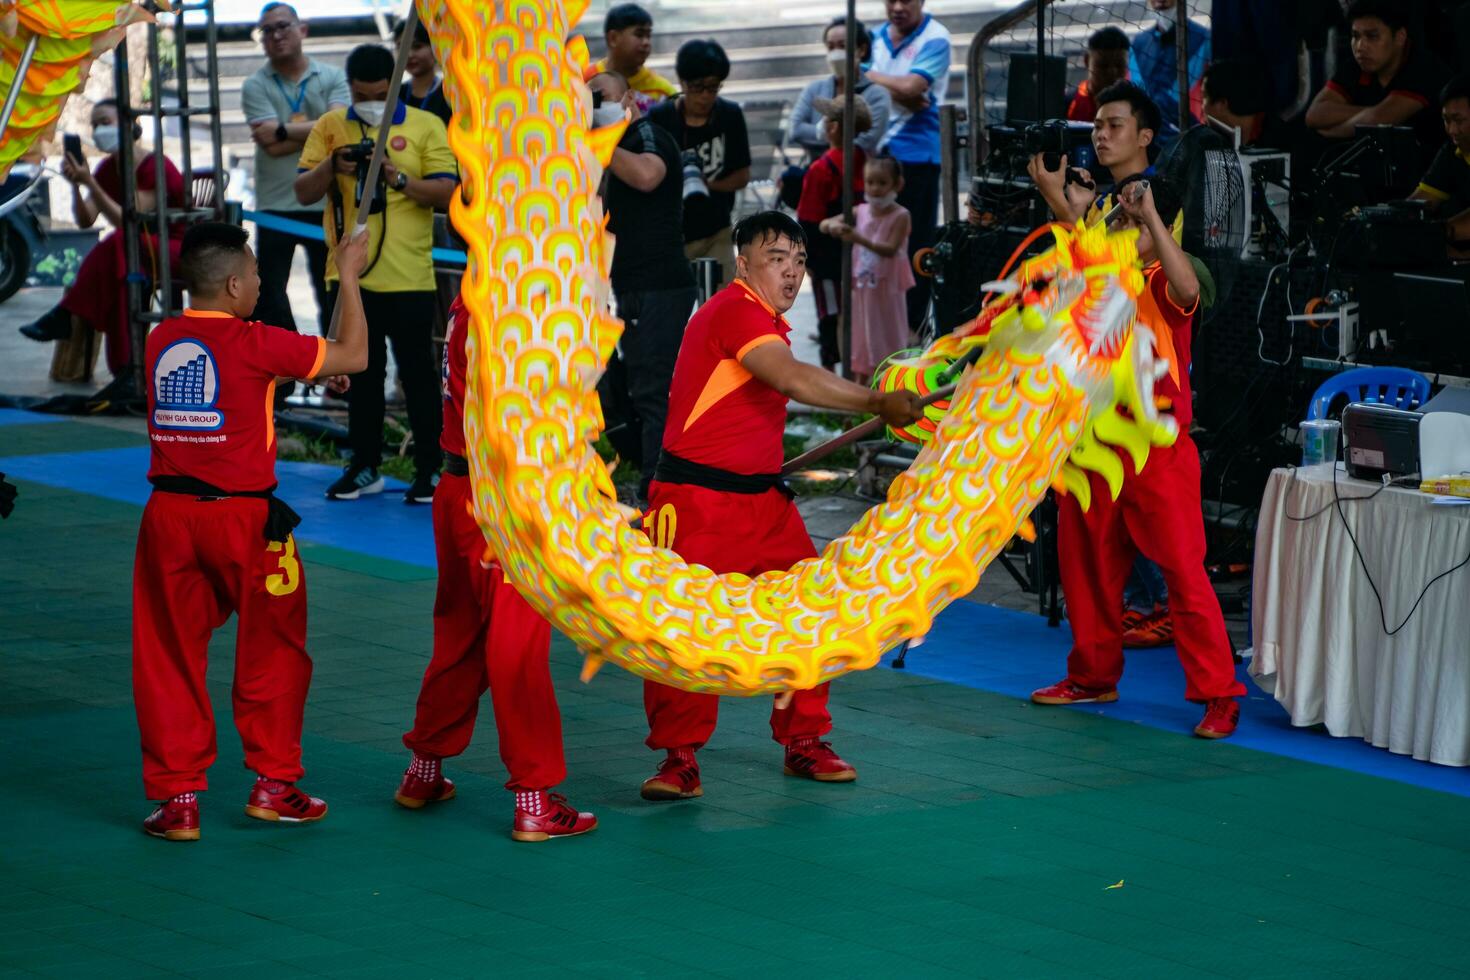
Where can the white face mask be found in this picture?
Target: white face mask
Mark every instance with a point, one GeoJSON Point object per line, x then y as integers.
{"type": "Point", "coordinates": [607, 114]}
{"type": "Point", "coordinates": [370, 112]}
{"type": "Point", "coordinates": [106, 138]}
{"type": "Point", "coordinates": [837, 58]}
{"type": "Point", "coordinates": [883, 201]}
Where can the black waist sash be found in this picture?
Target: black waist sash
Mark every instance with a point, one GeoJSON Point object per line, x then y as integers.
{"type": "Point", "coordinates": [673, 469]}
{"type": "Point", "coordinates": [455, 464]}
{"type": "Point", "coordinates": [280, 519]}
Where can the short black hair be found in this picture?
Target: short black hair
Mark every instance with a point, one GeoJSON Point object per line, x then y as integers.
{"type": "Point", "coordinates": [764, 225]}
{"type": "Point", "coordinates": [1143, 107]}
{"type": "Point", "coordinates": [888, 162]}
{"type": "Point", "coordinates": [1391, 12]}
{"type": "Point", "coordinates": [420, 32]}
{"type": "Point", "coordinates": [276, 5]}
{"type": "Point", "coordinates": [1457, 88]}
{"type": "Point", "coordinates": [1240, 84]}
{"type": "Point", "coordinates": [210, 255]}
{"type": "Point", "coordinates": [1108, 39]}
{"type": "Point", "coordinates": [370, 63]}
{"type": "Point", "coordinates": [701, 58]}
{"type": "Point", "coordinates": [865, 40]}
{"type": "Point", "coordinates": [1166, 196]}
{"type": "Point", "coordinates": [625, 15]}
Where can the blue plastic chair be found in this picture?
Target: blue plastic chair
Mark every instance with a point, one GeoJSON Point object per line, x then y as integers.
{"type": "Point", "coordinates": [1396, 386]}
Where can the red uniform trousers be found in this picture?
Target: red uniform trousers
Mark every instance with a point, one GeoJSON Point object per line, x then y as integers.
{"type": "Point", "coordinates": [99, 294]}
{"type": "Point", "coordinates": [485, 635]}
{"type": "Point", "coordinates": [197, 562]}
{"type": "Point", "coordinates": [1158, 513]}
{"type": "Point", "coordinates": [746, 533]}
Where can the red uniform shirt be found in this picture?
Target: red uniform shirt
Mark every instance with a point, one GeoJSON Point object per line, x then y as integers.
{"type": "Point", "coordinates": [211, 396]}
{"type": "Point", "coordinates": [1166, 314]}
{"type": "Point", "coordinates": [719, 414]}
{"type": "Point", "coordinates": [455, 368]}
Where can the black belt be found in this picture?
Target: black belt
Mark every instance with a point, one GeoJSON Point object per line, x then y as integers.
{"type": "Point", "coordinates": [673, 469]}
{"type": "Point", "coordinates": [280, 519]}
{"type": "Point", "coordinates": [455, 464]}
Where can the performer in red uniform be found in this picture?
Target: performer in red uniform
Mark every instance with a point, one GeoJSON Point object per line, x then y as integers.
{"type": "Point", "coordinates": [215, 541]}
{"type": "Point", "coordinates": [1158, 513]}
{"type": "Point", "coordinates": [485, 635]}
{"type": "Point", "coordinates": [717, 497]}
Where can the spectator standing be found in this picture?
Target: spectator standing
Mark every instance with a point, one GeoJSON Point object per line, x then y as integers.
{"type": "Point", "coordinates": [1153, 64]}
{"type": "Point", "coordinates": [628, 30]}
{"type": "Point", "coordinates": [282, 102]}
{"type": "Point", "coordinates": [1236, 93]}
{"type": "Point", "coordinates": [1389, 82]}
{"type": "Point", "coordinates": [1107, 64]}
{"type": "Point", "coordinates": [808, 127]}
{"type": "Point", "coordinates": [821, 198]}
{"type": "Point", "coordinates": [97, 297]}
{"type": "Point", "coordinates": [424, 88]}
{"type": "Point", "coordinates": [911, 60]}
{"type": "Point", "coordinates": [651, 279]}
{"type": "Point", "coordinates": [881, 272]}
{"type": "Point", "coordinates": [398, 285]}
{"type": "Point", "coordinates": [711, 134]}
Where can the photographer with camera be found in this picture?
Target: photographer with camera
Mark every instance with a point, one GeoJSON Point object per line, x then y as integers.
{"type": "Point", "coordinates": [716, 151]}
{"type": "Point", "coordinates": [651, 278]}
{"type": "Point", "coordinates": [418, 175]}
{"type": "Point", "coordinates": [1124, 129]}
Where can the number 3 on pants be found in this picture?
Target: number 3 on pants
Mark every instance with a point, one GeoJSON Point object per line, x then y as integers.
{"type": "Point", "coordinates": [288, 578]}
{"type": "Point", "coordinates": [664, 524]}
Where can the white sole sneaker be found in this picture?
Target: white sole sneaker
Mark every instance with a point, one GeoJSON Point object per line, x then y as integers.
{"type": "Point", "coordinates": [375, 487]}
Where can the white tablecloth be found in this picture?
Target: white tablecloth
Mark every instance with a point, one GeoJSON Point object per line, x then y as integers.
{"type": "Point", "coordinates": [1320, 648]}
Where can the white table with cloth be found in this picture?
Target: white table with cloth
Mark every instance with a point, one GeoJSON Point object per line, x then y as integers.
{"type": "Point", "coordinates": [1319, 645]}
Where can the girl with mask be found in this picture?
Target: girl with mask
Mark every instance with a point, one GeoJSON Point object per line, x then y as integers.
{"type": "Point", "coordinates": [881, 273]}
{"type": "Point", "coordinates": [98, 296]}
{"type": "Point", "coordinates": [807, 124]}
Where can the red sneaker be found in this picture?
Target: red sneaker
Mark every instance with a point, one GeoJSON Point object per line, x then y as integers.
{"type": "Point", "coordinates": [676, 779]}
{"type": "Point", "coordinates": [556, 819]}
{"type": "Point", "coordinates": [415, 792]}
{"type": "Point", "coordinates": [814, 759]}
{"type": "Point", "coordinates": [1155, 629]}
{"type": "Point", "coordinates": [272, 799]}
{"type": "Point", "coordinates": [1221, 717]}
{"type": "Point", "coordinates": [1132, 617]}
{"type": "Point", "coordinates": [174, 820]}
{"type": "Point", "coordinates": [1066, 692]}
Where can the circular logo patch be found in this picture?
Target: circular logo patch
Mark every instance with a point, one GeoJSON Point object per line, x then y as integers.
{"type": "Point", "coordinates": [399, 143]}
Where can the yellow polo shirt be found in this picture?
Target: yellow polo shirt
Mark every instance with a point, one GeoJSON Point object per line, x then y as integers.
{"type": "Point", "coordinates": [418, 145]}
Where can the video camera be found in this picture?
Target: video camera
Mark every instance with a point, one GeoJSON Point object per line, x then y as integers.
{"type": "Point", "coordinates": [1053, 139]}
{"type": "Point", "coordinates": [361, 153]}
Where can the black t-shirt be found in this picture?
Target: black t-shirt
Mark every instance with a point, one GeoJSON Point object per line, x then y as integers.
{"type": "Point", "coordinates": [1448, 181]}
{"type": "Point", "coordinates": [434, 102]}
{"type": "Point", "coordinates": [1419, 78]}
{"type": "Point", "coordinates": [723, 148]}
{"type": "Point", "coordinates": [649, 252]}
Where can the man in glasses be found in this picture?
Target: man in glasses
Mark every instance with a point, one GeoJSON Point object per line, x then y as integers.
{"type": "Point", "coordinates": [711, 135]}
{"type": "Point", "coordinates": [282, 101]}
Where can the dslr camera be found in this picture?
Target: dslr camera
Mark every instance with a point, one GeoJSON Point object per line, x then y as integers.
{"type": "Point", "coordinates": [694, 185]}
{"type": "Point", "coordinates": [360, 153]}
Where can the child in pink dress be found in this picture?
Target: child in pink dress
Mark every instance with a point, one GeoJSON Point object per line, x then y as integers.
{"type": "Point", "coordinates": [881, 274]}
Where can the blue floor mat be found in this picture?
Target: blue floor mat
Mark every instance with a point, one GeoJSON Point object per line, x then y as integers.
{"type": "Point", "coordinates": [1014, 653]}
{"type": "Point", "coordinates": [16, 416]}
{"type": "Point", "coordinates": [974, 645]}
{"type": "Point", "coordinates": [381, 524]}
